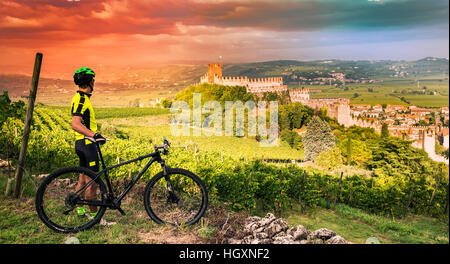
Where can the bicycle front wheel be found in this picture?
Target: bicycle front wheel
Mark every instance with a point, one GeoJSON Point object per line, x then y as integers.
{"type": "Point", "coordinates": [180, 198]}
{"type": "Point", "coordinates": [59, 197]}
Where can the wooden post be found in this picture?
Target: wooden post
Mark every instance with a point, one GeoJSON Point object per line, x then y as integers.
{"type": "Point", "coordinates": [28, 119]}
{"type": "Point", "coordinates": [337, 191]}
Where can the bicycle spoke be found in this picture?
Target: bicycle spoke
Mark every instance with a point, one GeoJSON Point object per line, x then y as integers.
{"type": "Point", "coordinates": [180, 205]}
{"type": "Point", "coordinates": [61, 201]}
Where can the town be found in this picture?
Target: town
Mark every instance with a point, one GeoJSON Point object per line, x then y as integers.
{"type": "Point", "coordinates": [427, 128]}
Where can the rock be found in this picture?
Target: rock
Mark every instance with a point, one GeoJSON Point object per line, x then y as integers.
{"type": "Point", "coordinates": [252, 219]}
{"type": "Point", "coordinates": [247, 240]}
{"type": "Point", "coordinates": [337, 240]}
{"type": "Point", "coordinates": [283, 238]}
{"type": "Point", "coordinates": [315, 241]}
{"type": "Point", "coordinates": [267, 220]}
{"type": "Point", "coordinates": [299, 232]}
{"type": "Point", "coordinates": [276, 226]}
{"type": "Point", "coordinates": [41, 176]}
{"type": "Point", "coordinates": [260, 235]}
{"type": "Point", "coordinates": [272, 230]}
{"type": "Point", "coordinates": [323, 234]}
{"type": "Point", "coordinates": [7, 166]}
{"type": "Point", "coordinates": [234, 241]}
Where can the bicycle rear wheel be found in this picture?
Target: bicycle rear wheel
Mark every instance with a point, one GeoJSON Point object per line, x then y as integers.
{"type": "Point", "coordinates": [180, 198]}
{"type": "Point", "coordinates": [58, 200]}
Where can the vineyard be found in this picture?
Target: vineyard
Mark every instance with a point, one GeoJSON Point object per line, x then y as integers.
{"type": "Point", "coordinates": [239, 181]}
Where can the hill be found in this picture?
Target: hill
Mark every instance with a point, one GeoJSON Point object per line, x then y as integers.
{"type": "Point", "coordinates": [122, 86]}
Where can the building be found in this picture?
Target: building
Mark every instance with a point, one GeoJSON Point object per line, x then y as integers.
{"type": "Point", "coordinates": [255, 85]}
{"type": "Point", "coordinates": [443, 137]}
{"type": "Point", "coordinates": [338, 108]}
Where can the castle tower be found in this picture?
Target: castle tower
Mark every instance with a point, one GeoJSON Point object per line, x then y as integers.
{"type": "Point", "coordinates": [214, 69]}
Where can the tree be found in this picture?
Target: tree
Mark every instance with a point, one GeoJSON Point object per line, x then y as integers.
{"type": "Point", "coordinates": [355, 152]}
{"type": "Point", "coordinates": [384, 130]}
{"type": "Point", "coordinates": [291, 137]}
{"type": "Point", "coordinates": [330, 159]}
{"type": "Point", "coordinates": [318, 138]}
{"type": "Point", "coordinates": [166, 103]}
{"type": "Point", "coordinates": [445, 153]}
{"type": "Point", "coordinates": [293, 115]}
{"type": "Point", "coordinates": [11, 109]}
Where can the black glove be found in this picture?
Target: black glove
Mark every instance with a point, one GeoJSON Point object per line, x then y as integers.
{"type": "Point", "coordinates": [99, 139]}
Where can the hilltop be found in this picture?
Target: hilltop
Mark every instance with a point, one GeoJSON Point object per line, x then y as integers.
{"type": "Point", "coordinates": [121, 87]}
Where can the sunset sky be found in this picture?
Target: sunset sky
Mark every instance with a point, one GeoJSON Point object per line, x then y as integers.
{"type": "Point", "coordinates": [143, 33]}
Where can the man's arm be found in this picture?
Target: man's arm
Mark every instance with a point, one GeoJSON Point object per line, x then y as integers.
{"type": "Point", "coordinates": [80, 128]}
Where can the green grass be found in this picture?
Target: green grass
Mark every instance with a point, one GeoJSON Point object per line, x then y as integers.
{"type": "Point", "coordinates": [427, 100]}
{"type": "Point", "coordinates": [230, 146]}
{"type": "Point", "coordinates": [19, 224]}
{"type": "Point", "coordinates": [118, 112]}
{"type": "Point", "coordinates": [356, 226]}
{"type": "Point", "coordinates": [389, 91]}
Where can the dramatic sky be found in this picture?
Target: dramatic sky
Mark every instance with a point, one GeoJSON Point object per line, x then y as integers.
{"type": "Point", "coordinates": [148, 32]}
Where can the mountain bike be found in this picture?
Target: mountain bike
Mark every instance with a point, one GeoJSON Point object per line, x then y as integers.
{"type": "Point", "coordinates": [173, 196]}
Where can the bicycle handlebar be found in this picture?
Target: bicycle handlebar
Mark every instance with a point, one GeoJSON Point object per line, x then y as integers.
{"type": "Point", "coordinates": [164, 146]}
{"type": "Point", "coordinates": [93, 140]}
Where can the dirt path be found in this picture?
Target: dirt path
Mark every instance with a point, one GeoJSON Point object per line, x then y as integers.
{"type": "Point", "coordinates": [171, 235]}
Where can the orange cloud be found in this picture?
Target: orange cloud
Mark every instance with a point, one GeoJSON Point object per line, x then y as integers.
{"type": "Point", "coordinates": [124, 32]}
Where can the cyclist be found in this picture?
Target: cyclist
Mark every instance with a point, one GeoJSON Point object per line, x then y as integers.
{"type": "Point", "coordinates": [84, 124]}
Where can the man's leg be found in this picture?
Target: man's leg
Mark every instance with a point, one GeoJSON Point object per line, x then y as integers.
{"type": "Point", "coordinates": [80, 184]}
{"type": "Point", "coordinates": [91, 194]}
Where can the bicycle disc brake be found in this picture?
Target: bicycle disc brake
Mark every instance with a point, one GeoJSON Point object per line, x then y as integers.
{"type": "Point", "coordinates": [71, 201]}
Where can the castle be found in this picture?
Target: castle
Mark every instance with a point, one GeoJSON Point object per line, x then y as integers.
{"type": "Point", "coordinates": [338, 108]}
{"type": "Point", "coordinates": [256, 85]}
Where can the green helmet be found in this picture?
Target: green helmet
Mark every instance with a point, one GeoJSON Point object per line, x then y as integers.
{"type": "Point", "coordinates": [83, 76]}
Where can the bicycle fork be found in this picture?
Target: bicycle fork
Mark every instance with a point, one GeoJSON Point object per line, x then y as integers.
{"type": "Point", "coordinates": [173, 198]}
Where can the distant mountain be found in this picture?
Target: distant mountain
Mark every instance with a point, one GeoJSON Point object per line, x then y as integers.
{"type": "Point", "coordinates": [178, 76]}
{"type": "Point", "coordinates": [369, 69]}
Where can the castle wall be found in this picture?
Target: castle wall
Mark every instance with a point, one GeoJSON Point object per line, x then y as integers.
{"type": "Point", "coordinates": [299, 95]}
{"type": "Point", "coordinates": [256, 85]}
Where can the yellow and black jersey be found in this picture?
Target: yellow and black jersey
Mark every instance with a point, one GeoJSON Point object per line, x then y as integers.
{"type": "Point", "coordinates": [81, 106]}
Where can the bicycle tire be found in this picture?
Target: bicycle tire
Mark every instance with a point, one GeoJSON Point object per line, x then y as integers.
{"type": "Point", "coordinates": [52, 180]}
{"type": "Point", "coordinates": [175, 171]}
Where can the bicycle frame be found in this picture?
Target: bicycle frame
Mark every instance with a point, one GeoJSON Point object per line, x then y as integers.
{"type": "Point", "coordinates": [113, 201]}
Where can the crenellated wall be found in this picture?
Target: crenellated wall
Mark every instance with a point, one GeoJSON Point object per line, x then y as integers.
{"type": "Point", "coordinates": [299, 95]}
{"type": "Point", "coordinates": [255, 85]}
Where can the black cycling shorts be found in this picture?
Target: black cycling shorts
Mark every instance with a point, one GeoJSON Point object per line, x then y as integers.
{"type": "Point", "coordinates": [88, 155]}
